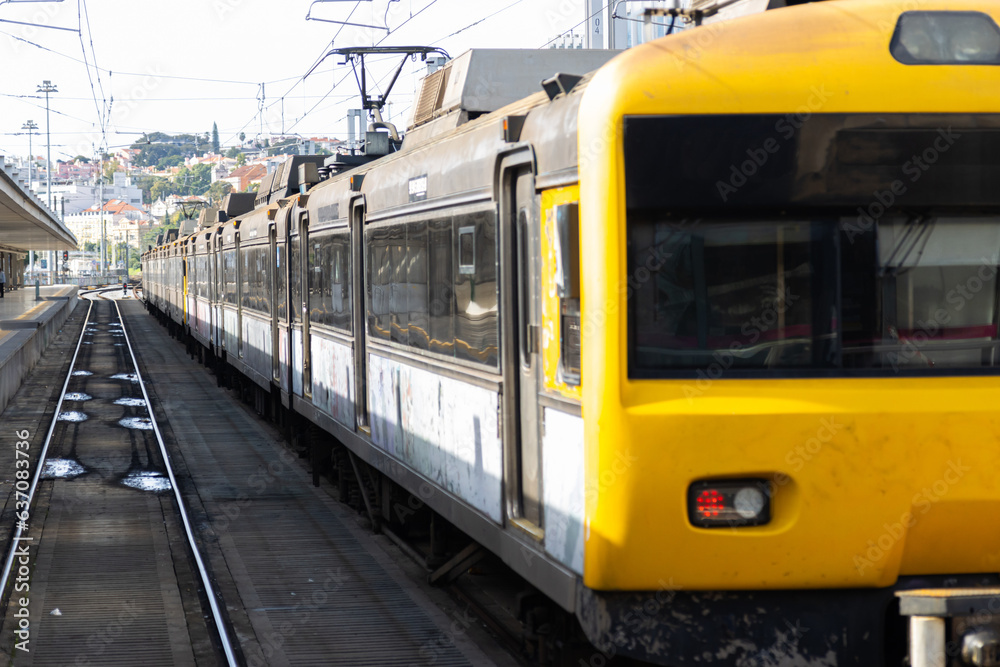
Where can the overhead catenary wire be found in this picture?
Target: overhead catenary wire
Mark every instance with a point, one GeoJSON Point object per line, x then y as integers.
{"type": "Point", "coordinates": [300, 79]}
{"type": "Point", "coordinates": [267, 112]}
{"type": "Point", "coordinates": [475, 23]}
{"type": "Point", "coordinates": [83, 50]}
{"type": "Point", "coordinates": [157, 74]}
{"type": "Point", "coordinates": [391, 32]}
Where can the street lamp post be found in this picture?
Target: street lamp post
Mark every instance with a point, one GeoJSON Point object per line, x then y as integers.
{"type": "Point", "coordinates": [48, 87]}
{"type": "Point", "coordinates": [30, 126]}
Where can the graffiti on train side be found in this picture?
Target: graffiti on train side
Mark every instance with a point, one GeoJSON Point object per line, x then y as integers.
{"type": "Point", "coordinates": [444, 428]}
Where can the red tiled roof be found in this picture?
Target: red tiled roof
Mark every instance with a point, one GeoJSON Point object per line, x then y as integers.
{"type": "Point", "coordinates": [114, 206]}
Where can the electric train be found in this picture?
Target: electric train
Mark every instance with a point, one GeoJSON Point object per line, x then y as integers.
{"type": "Point", "coordinates": [702, 340]}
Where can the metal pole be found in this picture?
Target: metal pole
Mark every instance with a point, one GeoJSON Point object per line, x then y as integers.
{"type": "Point", "coordinates": [927, 647]}
{"type": "Point", "coordinates": [48, 150]}
{"type": "Point", "coordinates": [30, 126]}
{"type": "Point", "coordinates": [100, 204]}
{"type": "Point", "coordinates": [47, 88]}
{"type": "Point", "coordinates": [595, 24]}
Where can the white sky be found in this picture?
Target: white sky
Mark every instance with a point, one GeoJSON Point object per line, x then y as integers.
{"type": "Point", "coordinates": [146, 42]}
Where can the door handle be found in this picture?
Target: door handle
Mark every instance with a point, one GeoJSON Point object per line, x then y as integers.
{"type": "Point", "coordinates": [534, 334]}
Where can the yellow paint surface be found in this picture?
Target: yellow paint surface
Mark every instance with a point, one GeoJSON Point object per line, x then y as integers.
{"type": "Point", "coordinates": [551, 306]}
{"type": "Point", "coordinates": [873, 478]}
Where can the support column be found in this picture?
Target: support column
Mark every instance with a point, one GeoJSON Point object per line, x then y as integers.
{"type": "Point", "coordinates": [927, 641]}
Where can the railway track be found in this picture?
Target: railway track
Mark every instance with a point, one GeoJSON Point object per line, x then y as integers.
{"type": "Point", "coordinates": [103, 567]}
{"type": "Point", "coordinates": [100, 292]}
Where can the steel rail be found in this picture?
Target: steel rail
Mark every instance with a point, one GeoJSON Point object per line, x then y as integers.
{"type": "Point", "coordinates": [202, 571]}
{"type": "Point", "coordinates": [11, 554]}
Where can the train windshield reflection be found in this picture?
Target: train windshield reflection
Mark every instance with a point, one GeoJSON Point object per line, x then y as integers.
{"type": "Point", "coordinates": [903, 293]}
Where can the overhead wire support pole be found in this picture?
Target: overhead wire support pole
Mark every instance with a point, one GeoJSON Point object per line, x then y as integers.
{"type": "Point", "coordinates": [47, 87]}
{"type": "Point", "coordinates": [30, 126]}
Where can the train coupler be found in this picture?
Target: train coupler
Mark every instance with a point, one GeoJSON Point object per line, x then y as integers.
{"type": "Point", "coordinates": [952, 627]}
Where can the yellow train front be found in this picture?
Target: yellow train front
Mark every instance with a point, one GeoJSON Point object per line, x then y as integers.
{"type": "Point", "coordinates": [790, 241]}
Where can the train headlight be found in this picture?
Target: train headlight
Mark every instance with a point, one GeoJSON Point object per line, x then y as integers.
{"type": "Point", "coordinates": [731, 502]}
{"type": "Point", "coordinates": [946, 38]}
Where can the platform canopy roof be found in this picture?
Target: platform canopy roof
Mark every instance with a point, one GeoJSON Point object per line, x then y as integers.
{"type": "Point", "coordinates": [26, 223]}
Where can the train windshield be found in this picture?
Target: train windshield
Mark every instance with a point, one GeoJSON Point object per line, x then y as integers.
{"type": "Point", "coordinates": [833, 295]}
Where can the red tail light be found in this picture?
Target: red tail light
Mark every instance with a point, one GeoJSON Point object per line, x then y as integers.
{"type": "Point", "coordinates": [724, 503]}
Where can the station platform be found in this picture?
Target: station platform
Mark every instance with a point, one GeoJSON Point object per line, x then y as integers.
{"type": "Point", "coordinates": [26, 328]}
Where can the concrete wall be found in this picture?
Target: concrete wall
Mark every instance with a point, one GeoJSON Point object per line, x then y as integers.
{"type": "Point", "coordinates": [21, 351]}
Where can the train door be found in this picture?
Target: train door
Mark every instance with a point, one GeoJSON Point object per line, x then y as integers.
{"type": "Point", "coordinates": [360, 314]}
{"type": "Point", "coordinates": [184, 285]}
{"type": "Point", "coordinates": [278, 267]}
{"type": "Point", "coordinates": [522, 362]}
{"type": "Point", "coordinates": [295, 305]}
{"type": "Point", "coordinates": [306, 260]}
{"type": "Point", "coordinates": [239, 298]}
{"type": "Point", "coordinates": [218, 321]}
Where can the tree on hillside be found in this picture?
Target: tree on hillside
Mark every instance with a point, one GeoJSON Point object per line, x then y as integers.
{"type": "Point", "coordinates": [162, 189]}
{"type": "Point", "coordinates": [215, 138]}
{"type": "Point", "coordinates": [170, 161]}
{"type": "Point", "coordinates": [147, 183]}
{"type": "Point", "coordinates": [194, 181]}
{"type": "Point", "coordinates": [241, 160]}
{"type": "Point", "coordinates": [218, 192]}
{"type": "Point", "coordinates": [158, 145]}
{"type": "Point", "coordinates": [201, 178]}
{"type": "Point", "coordinates": [110, 168]}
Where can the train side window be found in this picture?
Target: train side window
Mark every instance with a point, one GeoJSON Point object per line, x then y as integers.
{"type": "Point", "coordinates": [193, 276]}
{"type": "Point", "coordinates": [418, 285]}
{"type": "Point", "coordinates": [476, 324]}
{"type": "Point", "coordinates": [329, 280]}
{"type": "Point", "coordinates": [319, 267]}
{"type": "Point", "coordinates": [295, 270]}
{"type": "Point", "coordinates": [379, 283]}
{"type": "Point", "coordinates": [341, 283]}
{"type": "Point", "coordinates": [568, 288]}
{"type": "Point", "coordinates": [399, 288]}
{"type": "Point", "coordinates": [281, 289]}
{"type": "Point", "coordinates": [229, 258]}
{"type": "Point", "coordinates": [245, 270]}
{"type": "Point", "coordinates": [264, 278]}
{"type": "Point", "coordinates": [440, 291]}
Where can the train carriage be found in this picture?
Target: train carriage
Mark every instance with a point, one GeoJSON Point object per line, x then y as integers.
{"type": "Point", "coordinates": [228, 254]}
{"type": "Point", "coordinates": [702, 344]}
{"type": "Point", "coordinates": [189, 249]}
{"type": "Point", "coordinates": [176, 284]}
{"type": "Point", "coordinates": [217, 333]}
{"type": "Point", "coordinates": [322, 284]}
{"type": "Point", "coordinates": [201, 287]}
{"type": "Point", "coordinates": [257, 331]}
